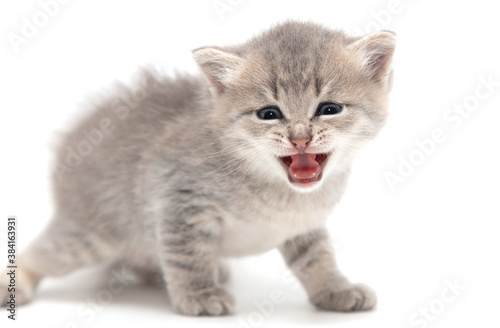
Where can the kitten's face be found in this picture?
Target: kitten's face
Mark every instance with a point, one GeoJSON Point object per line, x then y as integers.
{"type": "Point", "coordinates": [300, 103]}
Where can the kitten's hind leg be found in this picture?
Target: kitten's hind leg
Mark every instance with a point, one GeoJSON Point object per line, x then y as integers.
{"type": "Point", "coordinates": [223, 273]}
{"type": "Point", "coordinates": [62, 247]}
{"type": "Point", "coordinates": [148, 276]}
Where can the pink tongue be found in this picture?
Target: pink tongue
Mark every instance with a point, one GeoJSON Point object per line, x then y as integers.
{"type": "Point", "coordinates": [304, 167]}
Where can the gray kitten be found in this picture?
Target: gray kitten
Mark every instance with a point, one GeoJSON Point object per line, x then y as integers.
{"type": "Point", "coordinates": [251, 156]}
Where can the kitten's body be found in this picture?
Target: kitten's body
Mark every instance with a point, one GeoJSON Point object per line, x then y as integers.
{"type": "Point", "coordinates": [130, 194]}
{"type": "Point", "coordinates": [189, 176]}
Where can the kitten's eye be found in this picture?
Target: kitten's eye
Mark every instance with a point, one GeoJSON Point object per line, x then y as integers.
{"type": "Point", "coordinates": [270, 113]}
{"type": "Point", "coordinates": [329, 109]}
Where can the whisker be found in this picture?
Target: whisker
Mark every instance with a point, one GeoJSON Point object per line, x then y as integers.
{"type": "Point", "coordinates": [235, 161]}
{"type": "Point", "coordinates": [234, 147]}
{"type": "Point", "coordinates": [255, 163]}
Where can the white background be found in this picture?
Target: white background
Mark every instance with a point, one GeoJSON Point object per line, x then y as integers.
{"type": "Point", "coordinates": [438, 226]}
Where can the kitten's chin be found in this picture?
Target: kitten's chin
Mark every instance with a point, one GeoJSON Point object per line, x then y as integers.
{"type": "Point", "coordinates": [306, 187]}
{"type": "Point", "coordinates": [304, 171]}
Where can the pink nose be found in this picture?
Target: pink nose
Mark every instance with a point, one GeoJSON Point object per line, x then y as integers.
{"type": "Point", "coordinates": [301, 144]}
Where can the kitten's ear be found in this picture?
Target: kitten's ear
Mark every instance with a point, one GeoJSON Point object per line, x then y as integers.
{"type": "Point", "coordinates": [217, 65]}
{"type": "Point", "coordinates": [376, 51]}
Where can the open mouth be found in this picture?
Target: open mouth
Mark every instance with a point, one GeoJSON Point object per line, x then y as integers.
{"type": "Point", "coordinates": [304, 168]}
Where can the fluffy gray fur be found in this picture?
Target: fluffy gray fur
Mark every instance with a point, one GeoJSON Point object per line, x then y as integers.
{"type": "Point", "coordinates": [188, 174]}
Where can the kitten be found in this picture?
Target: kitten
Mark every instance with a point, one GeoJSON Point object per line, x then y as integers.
{"type": "Point", "coordinates": [252, 155]}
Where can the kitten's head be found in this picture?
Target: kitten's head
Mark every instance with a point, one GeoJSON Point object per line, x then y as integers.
{"type": "Point", "coordinates": [299, 100]}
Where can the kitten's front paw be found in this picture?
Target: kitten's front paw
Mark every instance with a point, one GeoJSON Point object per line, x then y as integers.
{"type": "Point", "coordinates": [213, 301]}
{"type": "Point", "coordinates": [355, 298]}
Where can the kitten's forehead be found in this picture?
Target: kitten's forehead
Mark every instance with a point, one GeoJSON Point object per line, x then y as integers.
{"type": "Point", "coordinates": [296, 60]}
